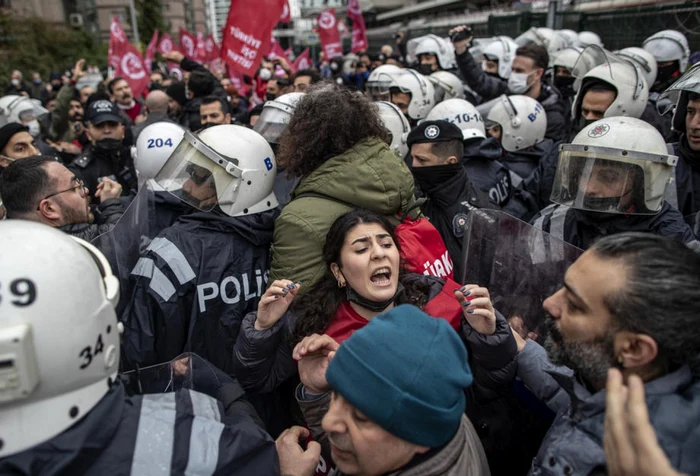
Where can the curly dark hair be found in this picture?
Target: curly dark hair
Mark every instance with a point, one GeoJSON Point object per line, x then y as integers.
{"type": "Point", "coordinates": [329, 120]}
{"type": "Point", "coordinates": [316, 308]}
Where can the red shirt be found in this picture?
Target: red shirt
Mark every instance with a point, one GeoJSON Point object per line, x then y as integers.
{"type": "Point", "coordinates": [444, 305]}
{"type": "Point", "coordinates": [134, 111]}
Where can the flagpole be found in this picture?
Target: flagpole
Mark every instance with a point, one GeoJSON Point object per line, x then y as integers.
{"type": "Point", "coordinates": [134, 26]}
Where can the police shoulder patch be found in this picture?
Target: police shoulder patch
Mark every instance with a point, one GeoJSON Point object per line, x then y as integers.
{"type": "Point", "coordinates": [459, 222]}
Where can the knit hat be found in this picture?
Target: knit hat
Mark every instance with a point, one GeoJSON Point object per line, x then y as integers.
{"type": "Point", "coordinates": [406, 371]}
{"type": "Point", "coordinates": [8, 130]}
{"type": "Point", "coordinates": [176, 91]}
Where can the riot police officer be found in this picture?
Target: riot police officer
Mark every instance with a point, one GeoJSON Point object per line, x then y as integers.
{"type": "Point", "coordinates": [64, 411]}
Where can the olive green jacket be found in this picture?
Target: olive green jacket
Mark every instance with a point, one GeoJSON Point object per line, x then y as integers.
{"type": "Point", "coordinates": [369, 175]}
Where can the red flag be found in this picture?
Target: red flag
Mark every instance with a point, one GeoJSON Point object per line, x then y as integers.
{"type": "Point", "coordinates": [151, 51]}
{"type": "Point", "coordinates": [117, 43]}
{"type": "Point", "coordinates": [303, 61]}
{"type": "Point", "coordinates": [131, 67]}
{"type": "Point", "coordinates": [328, 32]}
{"type": "Point", "coordinates": [166, 44]}
{"type": "Point", "coordinates": [211, 48]}
{"type": "Point", "coordinates": [201, 53]}
{"type": "Point", "coordinates": [188, 44]}
{"type": "Point", "coordinates": [359, 32]}
{"type": "Point", "coordinates": [276, 50]}
{"type": "Point", "coordinates": [238, 81]}
{"type": "Point", "coordinates": [286, 13]}
{"type": "Point", "coordinates": [248, 31]}
{"type": "Point", "coordinates": [289, 53]}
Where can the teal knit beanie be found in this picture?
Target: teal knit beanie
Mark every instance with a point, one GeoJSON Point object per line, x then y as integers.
{"type": "Point", "coordinates": [406, 371]}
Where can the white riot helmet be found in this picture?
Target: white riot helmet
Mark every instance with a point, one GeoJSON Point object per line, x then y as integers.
{"type": "Point", "coordinates": [421, 91]}
{"type": "Point", "coordinates": [502, 49]}
{"type": "Point", "coordinates": [643, 59]}
{"type": "Point", "coordinates": [462, 114]}
{"type": "Point", "coordinates": [432, 45]}
{"type": "Point", "coordinates": [566, 58]}
{"type": "Point", "coordinates": [377, 84]}
{"type": "Point", "coordinates": [669, 45]}
{"type": "Point", "coordinates": [153, 148]}
{"type": "Point", "coordinates": [276, 115]}
{"type": "Point", "coordinates": [678, 95]}
{"type": "Point", "coordinates": [522, 119]}
{"type": "Point", "coordinates": [628, 81]}
{"type": "Point", "coordinates": [446, 85]}
{"type": "Point", "coordinates": [546, 37]}
{"type": "Point", "coordinates": [397, 124]}
{"type": "Point", "coordinates": [587, 38]}
{"type": "Point", "coordinates": [615, 165]}
{"type": "Point", "coordinates": [23, 110]}
{"type": "Point", "coordinates": [226, 165]}
{"type": "Point", "coordinates": [570, 36]}
{"type": "Point", "coordinates": [59, 353]}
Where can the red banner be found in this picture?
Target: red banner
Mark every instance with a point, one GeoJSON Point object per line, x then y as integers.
{"type": "Point", "coordinates": [248, 31]}
{"type": "Point", "coordinates": [303, 61]}
{"type": "Point", "coordinates": [201, 52]}
{"type": "Point", "coordinates": [117, 43]}
{"type": "Point", "coordinates": [151, 51]}
{"type": "Point", "coordinates": [328, 32]}
{"type": "Point", "coordinates": [238, 81]}
{"type": "Point", "coordinates": [359, 31]}
{"type": "Point", "coordinates": [211, 48]}
{"type": "Point", "coordinates": [188, 44]}
{"type": "Point", "coordinates": [276, 50]}
{"type": "Point", "coordinates": [286, 13]}
{"type": "Point", "coordinates": [166, 44]}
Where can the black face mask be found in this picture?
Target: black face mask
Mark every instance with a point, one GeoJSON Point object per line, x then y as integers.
{"type": "Point", "coordinates": [425, 69]}
{"type": "Point", "coordinates": [270, 97]}
{"type": "Point", "coordinates": [373, 306]}
{"type": "Point", "coordinates": [109, 145]}
{"type": "Point", "coordinates": [565, 85]}
{"type": "Point", "coordinates": [429, 178]}
{"type": "Point", "coordinates": [665, 76]}
{"type": "Point", "coordinates": [493, 75]}
{"type": "Point", "coordinates": [602, 204]}
{"type": "Point", "coordinates": [582, 123]}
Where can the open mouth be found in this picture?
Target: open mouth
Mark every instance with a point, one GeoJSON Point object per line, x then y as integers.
{"type": "Point", "coordinates": [381, 277]}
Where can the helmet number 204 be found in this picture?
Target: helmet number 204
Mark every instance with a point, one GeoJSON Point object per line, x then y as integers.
{"type": "Point", "coordinates": [158, 143]}
{"type": "Point", "coordinates": [22, 292]}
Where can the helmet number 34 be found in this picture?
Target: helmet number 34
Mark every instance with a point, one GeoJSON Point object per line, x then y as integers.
{"type": "Point", "coordinates": [158, 143]}
{"type": "Point", "coordinates": [22, 292]}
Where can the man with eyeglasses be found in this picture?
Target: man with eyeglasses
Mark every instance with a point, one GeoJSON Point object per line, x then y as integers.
{"type": "Point", "coordinates": [41, 189]}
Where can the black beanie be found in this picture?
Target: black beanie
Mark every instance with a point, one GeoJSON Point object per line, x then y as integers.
{"type": "Point", "coordinates": [8, 130]}
{"type": "Point", "coordinates": [177, 92]}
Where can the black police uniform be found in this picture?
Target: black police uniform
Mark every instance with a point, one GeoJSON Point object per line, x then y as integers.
{"type": "Point", "coordinates": [97, 162]}
{"type": "Point", "coordinates": [486, 172]}
{"type": "Point", "coordinates": [448, 192]}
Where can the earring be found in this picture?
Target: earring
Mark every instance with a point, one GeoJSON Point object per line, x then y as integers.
{"type": "Point", "coordinates": [621, 361]}
{"type": "Point", "coordinates": [341, 284]}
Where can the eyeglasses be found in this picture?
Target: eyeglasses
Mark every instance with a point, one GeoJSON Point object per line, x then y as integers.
{"type": "Point", "coordinates": [82, 190]}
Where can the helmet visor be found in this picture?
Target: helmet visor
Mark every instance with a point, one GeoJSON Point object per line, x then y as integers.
{"type": "Point", "coordinates": [601, 179]}
{"type": "Point", "coordinates": [593, 56]}
{"type": "Point", "coordinates": [689, 82]}
{"type": "Point", "coordinates": [199, 176]}
{"type": "Point", "coordinates": [272, 123]}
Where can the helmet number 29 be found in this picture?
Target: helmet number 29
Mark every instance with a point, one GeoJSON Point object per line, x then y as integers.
{"type": "Point", "coordinates": [23, 292]}
{"type": "Point", "coordinates": [158, 143]}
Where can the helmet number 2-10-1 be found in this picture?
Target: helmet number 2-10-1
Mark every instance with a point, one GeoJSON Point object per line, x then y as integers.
{"type": "Point", "coordinates": [23, 292]}
{"type": "Point", "coordinates": [158, 142]}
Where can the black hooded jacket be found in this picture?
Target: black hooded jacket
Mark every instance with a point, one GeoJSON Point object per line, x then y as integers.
{"type": "Point", "coordinates": [193, 286]}
{"type": "Point", "coordinates": [96, 163]}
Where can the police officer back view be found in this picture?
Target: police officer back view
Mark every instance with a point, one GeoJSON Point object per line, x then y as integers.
{"type": "Point", "coordinates": [611, 179]}
{"type": "Point", "coordinates": [200, 277]}
{"type": "Point", "coordinates": [437, 150]}
{"type": "Point", "coordinates": [107, 156]}
{"type": "Point", "coordinates": [62, 409]}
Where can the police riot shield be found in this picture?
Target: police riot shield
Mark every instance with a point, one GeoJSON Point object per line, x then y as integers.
{"type": "Point", "coordinates": [186, 371]}
{"type": "Point", "coordinates": [520, 265]}
{"type": "Point", "coordinates": [128, 238]}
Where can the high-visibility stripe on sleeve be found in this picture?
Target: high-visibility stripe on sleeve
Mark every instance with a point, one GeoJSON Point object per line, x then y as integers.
{"type": "Point", "coordinates": [155, 435]}
{"type": "Point", "coordinates": [174, 258]}
{"type": "Point", "coordinates": [204, 436]}
{"type": "Point", "coordinates": [159, 282]}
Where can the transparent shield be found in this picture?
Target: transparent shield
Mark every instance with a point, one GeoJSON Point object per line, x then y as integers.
{"type": "Point", "coordinates": [272, 123]}
{"type": "Point", "coordinates": [600, 182]}
{"type": "Point", "coordinates": [198, 175]}
{"type": "Point", "coordinates": [520, 265]}
{"type": "Point", "coordinates": [689, 82]}
{"type": "Point", "coordinates": [186, 371]}
{"type": "Point", "coordinates": [129, 237]}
